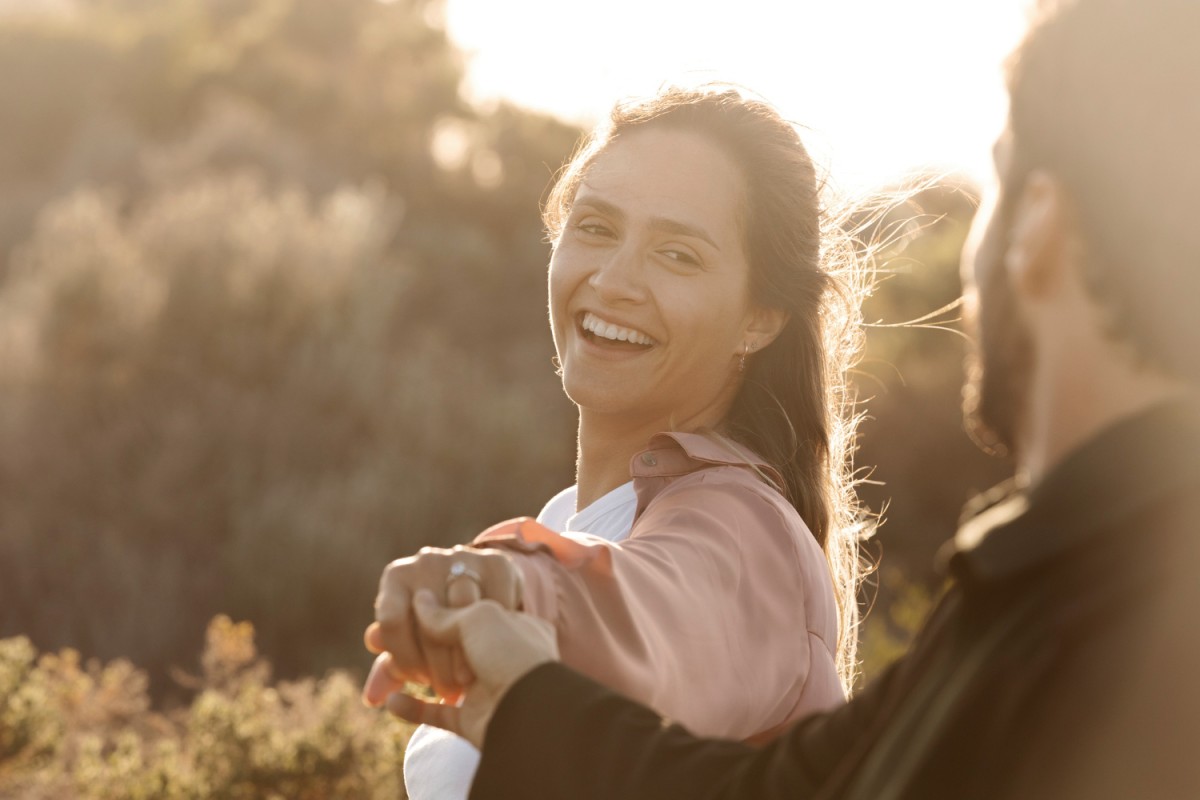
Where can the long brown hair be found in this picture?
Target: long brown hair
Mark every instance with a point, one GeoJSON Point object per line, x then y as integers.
{"type": "Point", "coordinates": [794, 407]}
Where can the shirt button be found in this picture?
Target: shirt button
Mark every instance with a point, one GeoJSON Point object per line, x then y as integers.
{"type": "Point", "coordinates": [649, 460]}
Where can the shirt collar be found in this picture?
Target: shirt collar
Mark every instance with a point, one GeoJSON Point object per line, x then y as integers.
{"type": "Point", "coordinates": [674, 454]}
{"type": "Point", "coordinates": [1130, 466]}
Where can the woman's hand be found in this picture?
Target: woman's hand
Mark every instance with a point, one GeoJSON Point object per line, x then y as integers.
{"type": "Point", "coordinates": [405, 653]}
{"type": "Point", "coordinates": [501, 646]}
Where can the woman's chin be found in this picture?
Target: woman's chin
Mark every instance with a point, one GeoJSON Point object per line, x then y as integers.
{"type": "Point", "coordinates": [605, 398]}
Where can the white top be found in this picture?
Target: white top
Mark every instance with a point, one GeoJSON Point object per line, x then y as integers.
{"type": "Point", "coordinates": [439, 765]}
{"type": "Point", "coordinates": [610, 517]}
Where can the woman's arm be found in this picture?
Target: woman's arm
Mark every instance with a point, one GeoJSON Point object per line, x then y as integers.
{"type": "Point", "coordinates": [700, 614]}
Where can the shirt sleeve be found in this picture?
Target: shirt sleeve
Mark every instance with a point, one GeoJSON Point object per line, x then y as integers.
{"type": "Point", "coordinates": [559, 734]}
{"type": "Point", "coordinates": [700, 613]}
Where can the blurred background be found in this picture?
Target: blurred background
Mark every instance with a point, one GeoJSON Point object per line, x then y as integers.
{"type": "Point", "coordinates": [272, 312]}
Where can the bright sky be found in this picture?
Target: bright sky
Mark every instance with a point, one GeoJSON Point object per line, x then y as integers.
{"type": "Point", "coordinates": [885, 86]}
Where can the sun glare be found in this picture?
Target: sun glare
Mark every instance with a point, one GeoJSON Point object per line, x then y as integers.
{"type": "Point", "coordinates": [883, 88]}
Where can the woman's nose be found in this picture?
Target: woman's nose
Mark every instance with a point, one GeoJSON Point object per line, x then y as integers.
{"type": "Point", "coordinates": [619, 276]}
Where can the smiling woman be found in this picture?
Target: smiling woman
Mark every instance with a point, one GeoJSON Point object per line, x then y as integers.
{"type": "Point", "coordinates": [651, 251]}
{"type": "Point", "coordinates": [705, 562]}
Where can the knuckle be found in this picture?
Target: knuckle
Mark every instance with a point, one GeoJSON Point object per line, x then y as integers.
{"type": "Point", "coordinates": [394, 572]}
{"type": "Point", "coordinates": [399, 564]}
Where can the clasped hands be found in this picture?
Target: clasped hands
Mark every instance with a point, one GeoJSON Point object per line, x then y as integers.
{"type": "Point", "coordinates": [449, 619]}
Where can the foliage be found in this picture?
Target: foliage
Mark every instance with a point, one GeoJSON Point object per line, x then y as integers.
{"type": "Point", "coordinates": [887, 633]}
{"type": "Point", "coordinates": [249, 309]}
{"type": "Point", "coordinates": [70, 729]}
{"type": "Point", "coordinates": [232, 414]}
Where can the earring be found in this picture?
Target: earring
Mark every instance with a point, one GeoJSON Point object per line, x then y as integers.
{"type": "Point", "coordinates": [742, 357]}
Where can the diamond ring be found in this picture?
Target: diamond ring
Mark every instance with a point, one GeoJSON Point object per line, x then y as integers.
{"type": "Point", "coordinates": [460, 570]}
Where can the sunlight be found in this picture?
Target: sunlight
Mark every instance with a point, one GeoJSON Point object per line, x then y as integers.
{"type": "Point", "coordinates": [884, 88]}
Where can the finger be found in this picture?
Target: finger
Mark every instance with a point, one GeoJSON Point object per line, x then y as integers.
{"type": "Point", "coordinates": [402, 641]}
{"type": "Point", "coordinates": [500, 645]}
{"type": "Point", "coordinates": [445, 626]}
{"type": "Point", "coordinates": [462, 672]}
{"type": "Point", "coordinates": [440, 663]}
{"type": "Point", "coordinates": [395, 631]}
{"type": "Point", "coordinates": [460, 593]}
{"type": "Point", "coordinates": [392, 600]}
{"type": "Point", "coordinates": [372, 638]}
{"type": "Point", "coordinates": [435, 622]}
{"type": "Point", "coordinates": [444, 668]}
{"type": "Point", "coordinates": [392, 610]}
{"type": "Point", "coordinates": [440, 715]}
{"type": "Point", "coordinates": [382, 681]}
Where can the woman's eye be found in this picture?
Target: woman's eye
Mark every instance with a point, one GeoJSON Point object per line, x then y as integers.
{"type": "Point", "coordinates": [682, 257]}
{"type": "Point", "coordinates": [592, 228]}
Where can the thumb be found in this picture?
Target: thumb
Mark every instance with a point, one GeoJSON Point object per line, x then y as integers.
{"type": "Point", "coordinates": [439, 624]}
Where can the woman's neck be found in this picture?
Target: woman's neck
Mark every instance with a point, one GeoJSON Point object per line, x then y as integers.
{"type": "Point", "coordinates": [605, 449]}
{"type": "Point", "coordinates": [607, 443]}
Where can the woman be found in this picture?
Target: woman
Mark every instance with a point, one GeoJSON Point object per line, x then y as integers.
{"type": "Point", "coordinates": [705, 344]}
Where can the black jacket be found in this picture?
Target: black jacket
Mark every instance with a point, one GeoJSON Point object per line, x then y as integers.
{"type": "Point", "coordinates": [1064, 662]}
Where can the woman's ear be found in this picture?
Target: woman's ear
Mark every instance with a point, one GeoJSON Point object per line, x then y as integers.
{"type": "Point", "coordinates": [763, 326]}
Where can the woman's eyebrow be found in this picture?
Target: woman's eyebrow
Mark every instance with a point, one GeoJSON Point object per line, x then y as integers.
{"type": "Point", "coordinates": [664, 224]}
{"type": "Point", "coordinates": [603, 206]}
{"type": "Point", "coordinates": [667, 225]}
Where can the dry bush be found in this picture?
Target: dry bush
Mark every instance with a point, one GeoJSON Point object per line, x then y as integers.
{"type": "Point", "coordinates": [70, 729]}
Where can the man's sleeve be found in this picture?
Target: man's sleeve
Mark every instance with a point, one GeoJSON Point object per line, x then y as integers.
{"type": "Point", "coordinates": [557, 734]}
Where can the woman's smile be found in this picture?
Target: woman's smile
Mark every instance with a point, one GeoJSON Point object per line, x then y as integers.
{"type": "Point", "coordinates": [609, 332]}
{"type": "Point", "coordinates": [603, 339]}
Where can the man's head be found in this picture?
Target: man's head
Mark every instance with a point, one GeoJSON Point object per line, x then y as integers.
{"type": "Point", "coordinates": [1099, 189]}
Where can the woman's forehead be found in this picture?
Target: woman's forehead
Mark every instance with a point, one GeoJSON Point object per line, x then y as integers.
{"type": "Point", "coordinates": [667, 174]}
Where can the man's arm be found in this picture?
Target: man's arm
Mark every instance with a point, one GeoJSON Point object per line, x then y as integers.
{"type": "Point", "coordinates": [559, 734]}
{"type": "Point", "coordinates": [552, 733]}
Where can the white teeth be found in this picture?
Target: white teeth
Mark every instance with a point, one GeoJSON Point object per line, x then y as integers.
{"type": "Point", "coordinates": [609, 331]}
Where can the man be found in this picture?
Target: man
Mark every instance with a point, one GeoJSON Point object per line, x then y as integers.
{"type": "Point", "coordinates": [1064, 661]}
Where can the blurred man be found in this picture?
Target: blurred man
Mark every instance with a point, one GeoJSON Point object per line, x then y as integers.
{"type": "Point", "coordinates": [1064, 661]}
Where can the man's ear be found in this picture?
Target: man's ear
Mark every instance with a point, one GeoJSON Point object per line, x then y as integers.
{"type": "Point", "coordinates": [1039, 243]}
{"type": "Point", "coordinates": [764, 325]}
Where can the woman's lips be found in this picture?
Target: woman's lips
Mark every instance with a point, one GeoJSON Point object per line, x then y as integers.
{"type": "Point", "coordinates": [602, 330]}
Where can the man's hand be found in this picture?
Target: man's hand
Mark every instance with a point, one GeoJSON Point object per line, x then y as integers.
{"type": "Point", "coordinates": [405, 654]}
{"type": "Point", "coordinates": [500, 646]}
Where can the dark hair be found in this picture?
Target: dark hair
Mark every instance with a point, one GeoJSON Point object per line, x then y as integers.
{"type": "Point", "coordinates": [793, 408]}
{"type": "Point", "coordinates": [1106, 98]}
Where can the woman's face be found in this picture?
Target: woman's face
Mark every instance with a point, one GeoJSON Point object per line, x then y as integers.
{"type": "Point", "coordinates": [649, 283]}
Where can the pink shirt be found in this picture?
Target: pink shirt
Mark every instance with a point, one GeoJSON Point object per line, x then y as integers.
{"type": "Point", "coordinates": [717, 611]}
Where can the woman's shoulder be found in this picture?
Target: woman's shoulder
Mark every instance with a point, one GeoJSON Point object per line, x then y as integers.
{"type": "Point", "coordinates": [675, 455]}
{"type": "Point", "coordinates": [720, 479]}
{"type": "Point", "coordinates": [729, 489]}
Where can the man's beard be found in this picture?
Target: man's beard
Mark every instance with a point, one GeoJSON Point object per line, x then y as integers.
{"type": "Point", "coordinates": [999, 364]}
